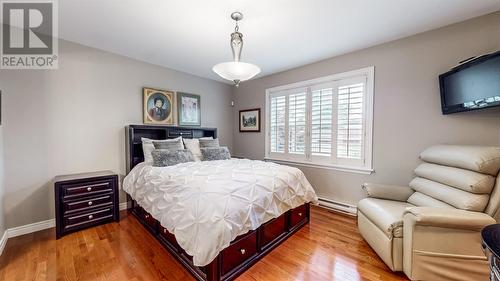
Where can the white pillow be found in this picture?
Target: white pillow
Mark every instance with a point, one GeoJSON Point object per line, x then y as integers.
{"type": "Point", "coordinates": [193, 145]}
{"type": "Point", "coordinates": [148, 147]}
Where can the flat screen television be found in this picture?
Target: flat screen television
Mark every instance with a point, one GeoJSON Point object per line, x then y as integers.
{"type": "Point", "coordinates": [472, 85]}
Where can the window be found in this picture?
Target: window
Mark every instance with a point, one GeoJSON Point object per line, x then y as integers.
{"type": "Point", "coordinates": [323, 122]}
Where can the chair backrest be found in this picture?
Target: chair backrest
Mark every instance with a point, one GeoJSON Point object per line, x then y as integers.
{"type": "Point", "coordinates": [493, 208]}
{"type": "Point", "coordinates": [462, 177]}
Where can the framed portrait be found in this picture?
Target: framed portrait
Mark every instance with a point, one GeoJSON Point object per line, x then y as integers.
{"type": "Point", "coordinates": [189, 109]}
{"type": "Point", "coordinates": [159, 106]}
{"type": "Point", "coordinates": [250, 120]}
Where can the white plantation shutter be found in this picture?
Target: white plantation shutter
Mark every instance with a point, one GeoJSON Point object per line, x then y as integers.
{"type": "Point", "coordinates": [321, 121]}
{"type": "Point", "coordinates": [297, 123]}
{"type": "Point", "coordinates": [350, 133]}
{"type": "Point", "coordinates": [277, 124]}
{"type": "Point", "coordinates": [325, 121]}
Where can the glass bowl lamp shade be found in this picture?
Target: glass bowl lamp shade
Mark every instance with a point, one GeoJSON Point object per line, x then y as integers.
{"type": "Point", "coordinates": [236, 71]}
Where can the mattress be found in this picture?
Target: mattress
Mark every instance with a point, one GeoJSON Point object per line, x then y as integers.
{"type": "Point", "coordinates": [207, 204]}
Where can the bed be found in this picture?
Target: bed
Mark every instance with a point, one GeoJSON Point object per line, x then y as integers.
{"type": "Point", "coordinates": [217, 218]}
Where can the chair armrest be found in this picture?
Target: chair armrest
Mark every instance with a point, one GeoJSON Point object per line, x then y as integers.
{"type": "Point", "coordinates": [390, 192]}
{"type": "Point", "coordinates": [444, 236]}
{"type": "Point", "coordinates": [449, 218]}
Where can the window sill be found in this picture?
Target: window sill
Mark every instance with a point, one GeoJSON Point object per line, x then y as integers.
{"type": "Point", "coordinates": [357, 170]}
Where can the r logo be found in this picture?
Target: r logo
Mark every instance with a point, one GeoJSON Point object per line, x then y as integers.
{"type": "Point", "coordinates": [28, 28]}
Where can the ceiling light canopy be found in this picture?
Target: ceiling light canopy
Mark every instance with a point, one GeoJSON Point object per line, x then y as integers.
{"type": "Point", "coordinates": [236, 70]}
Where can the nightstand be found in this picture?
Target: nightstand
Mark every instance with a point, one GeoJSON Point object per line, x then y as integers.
{"type": "Point", "coordinates": [85, 200]}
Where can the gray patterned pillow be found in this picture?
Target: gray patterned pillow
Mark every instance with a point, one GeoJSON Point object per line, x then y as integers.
{"type": "Point", "coordinates": [209, 143]}
{"type": "Point", "coordinates": [164, 157]}
{"type": "Point", "coordinates": [173, 144]}
{"type": "Point", "coordinates": [215, 153]}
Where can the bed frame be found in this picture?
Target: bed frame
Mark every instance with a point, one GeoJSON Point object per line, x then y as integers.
{"type": "Point", "coordinates": [245, 250]}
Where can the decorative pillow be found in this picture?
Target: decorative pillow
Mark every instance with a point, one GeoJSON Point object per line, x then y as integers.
{"type": "Point", "coordinates": [165, 157]}
{"type": "Point", "coordinates": [172, 144]}
{"type": "Point", "coordinates": [209, 142]}
{"type": "Point", "coordinates": [147, 147]}
{"type": "Point", "coordinates": [193, 145]}
{"type": "Point", "coordinates": [215, 153]}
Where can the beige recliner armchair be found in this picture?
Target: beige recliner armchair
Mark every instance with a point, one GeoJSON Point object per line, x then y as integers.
{"type": "Point", "coordinates": [431, 228]}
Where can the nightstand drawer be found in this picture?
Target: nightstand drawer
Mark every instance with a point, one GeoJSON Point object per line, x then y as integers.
{"type": "Point", "coordinates": [88, 188]}
{"type": "Point", "coordinates": [89, 203]}
{"type": "Point", "coordinates": [74, 221]}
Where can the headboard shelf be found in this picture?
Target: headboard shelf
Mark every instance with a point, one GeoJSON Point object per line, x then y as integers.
{"type": "Point", "coordinates": [134, 133]}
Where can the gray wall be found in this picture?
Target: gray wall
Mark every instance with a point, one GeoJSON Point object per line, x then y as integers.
{"type": "Point", "coordinates": [72, 120]}
{"type": "Point", "coordinates": [407, 116]}
{"type": "Point", "coordinates": [2, 186]}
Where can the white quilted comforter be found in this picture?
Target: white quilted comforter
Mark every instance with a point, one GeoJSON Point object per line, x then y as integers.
{"type": "Point", "coordinates": [206, 205]}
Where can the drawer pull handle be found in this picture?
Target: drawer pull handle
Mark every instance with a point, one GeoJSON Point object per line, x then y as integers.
{"type": "Point", "coordinates": [91, 217]}
{"type": "Point", "coordinates": [89, 188]}
{"type": "Point", "coordinates": [90, 203]}
{"type": "Point", "coordinates": [300, 214]}
{"type": "Point", "coordinates": [243, 251]}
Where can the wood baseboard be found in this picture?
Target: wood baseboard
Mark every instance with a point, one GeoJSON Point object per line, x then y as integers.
{"type": "Point", "coordinates": [33, 227]}
{"type": "Point", "coordinates": [3, 241]}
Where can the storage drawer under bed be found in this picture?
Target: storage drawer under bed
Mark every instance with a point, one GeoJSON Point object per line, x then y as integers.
{"type": "Point", "coordinates": [146, 218]}
{"type": "Point", "coordinates": [298, 216]}
{"type": "Point", "coordinates": [272, 230]}
{"type": "Point", "coordinates": [238, 252]}
{"type": "Point", "coordinates": [241, 253]}
{"type": "Point", "coordinates": [165, 234]}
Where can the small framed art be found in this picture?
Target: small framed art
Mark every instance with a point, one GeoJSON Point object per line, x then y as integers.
{"type": "Point", "coordinates": [189, 108]}
{"type": "Point", "coordinates": [250, 120]}
{"type": "Point", "coordinates": [159, 106]}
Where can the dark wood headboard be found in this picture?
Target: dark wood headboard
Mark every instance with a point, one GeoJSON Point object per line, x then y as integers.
{"type": "Point", "coordinates": [136, 132]}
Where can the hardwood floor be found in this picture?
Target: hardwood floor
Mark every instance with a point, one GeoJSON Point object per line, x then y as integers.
{"type": "Point", "coordinates": [329, 248]}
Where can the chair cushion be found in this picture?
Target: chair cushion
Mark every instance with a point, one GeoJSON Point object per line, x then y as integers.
{"type": "Point", "coordinates": [421, 200]}
{"type": "Point", "coordinates": [453, 196]}
{"type": "Point", "coordinates": [466, 180]}
{"type": "Point", "coordinates": [482, 159]}
{"type": "Point", "coordinates": [387, 215]}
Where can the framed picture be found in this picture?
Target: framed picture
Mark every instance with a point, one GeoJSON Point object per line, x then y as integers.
{"type": "Point", "coordinates": [250, 120]}
{"type": "Point", "coordinates": [159, 106]}
{"type": "Point", "coordinates": [189, 109]}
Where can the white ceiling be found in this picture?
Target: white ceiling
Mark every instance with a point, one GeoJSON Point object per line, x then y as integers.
{"type": "Point", "coordinates": [192, 36]}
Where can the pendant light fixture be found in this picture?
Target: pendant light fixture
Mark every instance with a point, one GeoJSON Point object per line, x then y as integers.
{"type": "Point", "coordinates": [236, 70]}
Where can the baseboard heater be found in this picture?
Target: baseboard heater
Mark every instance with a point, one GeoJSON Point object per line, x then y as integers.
{"type": "Point", "coordinates": [338, 206]}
